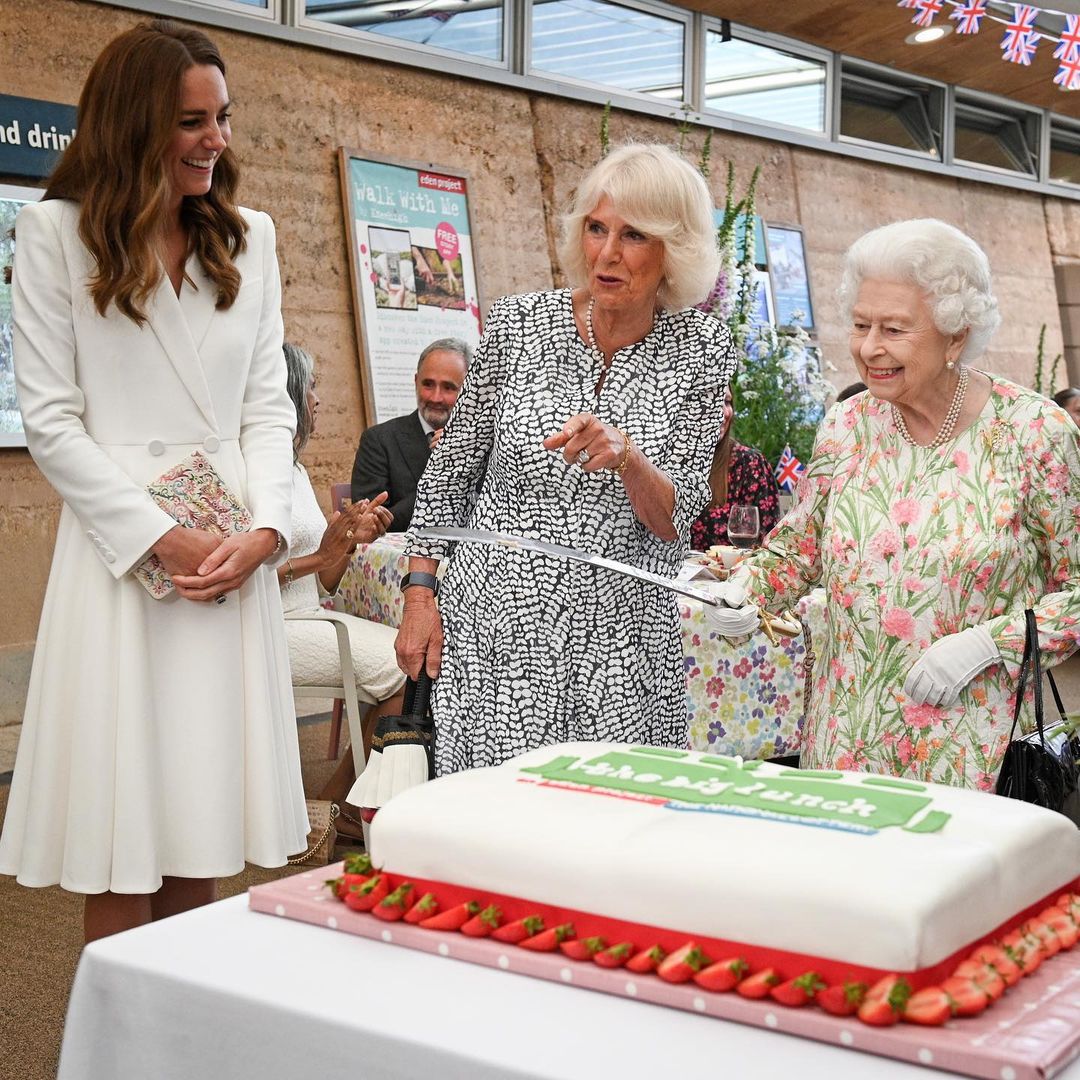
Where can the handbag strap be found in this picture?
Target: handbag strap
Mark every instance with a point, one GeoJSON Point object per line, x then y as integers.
{"type": "Point", "coordinates": [417, 697]}
{"type": "Point", "coordinates": [1031, 666]}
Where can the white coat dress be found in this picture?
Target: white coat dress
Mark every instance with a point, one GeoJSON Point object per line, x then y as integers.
{"type": "Point", "coordinates": [159, 736]}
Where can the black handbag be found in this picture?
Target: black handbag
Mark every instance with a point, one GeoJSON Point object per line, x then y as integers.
{"type": "Point", "coordinates": [1042, 767]}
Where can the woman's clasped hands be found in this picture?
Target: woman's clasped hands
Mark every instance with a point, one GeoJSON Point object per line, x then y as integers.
{"type": "Point", "coordinates": [360, 523]}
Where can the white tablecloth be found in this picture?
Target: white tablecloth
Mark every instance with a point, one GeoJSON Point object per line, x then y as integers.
{"type": "Point", "coordinates": [224, 993]}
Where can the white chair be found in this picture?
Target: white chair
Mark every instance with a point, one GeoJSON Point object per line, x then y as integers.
{"type": "Point", "coordinates": [346, 690]}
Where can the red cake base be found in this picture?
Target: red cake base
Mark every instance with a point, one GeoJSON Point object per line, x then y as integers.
{"type": "Point", "coordinates": [1032, 1033]}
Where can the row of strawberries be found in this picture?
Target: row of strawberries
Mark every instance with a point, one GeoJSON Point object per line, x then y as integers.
{"type": "Point", "coordinates": [976, 982]}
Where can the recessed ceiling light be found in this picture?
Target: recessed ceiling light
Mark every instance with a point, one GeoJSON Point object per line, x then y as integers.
{"type": "Point", "coordinates": [928, 34]}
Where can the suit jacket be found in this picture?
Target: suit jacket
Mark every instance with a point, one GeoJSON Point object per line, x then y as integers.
{"type": "Point", "coordinates": [391, 457]}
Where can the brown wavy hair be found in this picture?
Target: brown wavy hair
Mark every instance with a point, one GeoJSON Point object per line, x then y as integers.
{"type": "Point", "coordinates": [114, 168]}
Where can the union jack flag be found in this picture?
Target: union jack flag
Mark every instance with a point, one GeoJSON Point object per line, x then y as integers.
{"type": "Point", "coordinates": [907, 3]}
{"type": "Point", "coordinates": [926, 10]}
{"type": "Point", "coordinates": [968, 16]}
{"type": "Point", "coordinates": [1070, 39]}
{"type": "Point", "coordinates": [1021, 38]}
{"type": "Point", "coordinates": [1068, 75]}
{"type": "Point", "coordinates": [788, 470]}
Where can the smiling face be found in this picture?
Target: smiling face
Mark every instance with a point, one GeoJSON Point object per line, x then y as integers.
{"type": "Point", "coordinates": [202, 133]}
{"type": "Point", "coordinates": [625, 266]}
{"type": "Point", "coordinates": [1072, 407]}
{"type": "Point", "coordinates": [438, 383]}
{"type": "Point", "coordinates": [311, 399]}
{"type": "Point", "coordinates": [900, 353]}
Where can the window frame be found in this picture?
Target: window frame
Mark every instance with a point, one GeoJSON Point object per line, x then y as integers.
{"type": "Point", "coordinates": [991, 103]}
{"type": "Point", "coordinates": [1054, 121]}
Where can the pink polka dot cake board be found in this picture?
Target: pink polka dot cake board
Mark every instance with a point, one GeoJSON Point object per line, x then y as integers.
{"type": "Point", "coordinates": [1032, 1033]}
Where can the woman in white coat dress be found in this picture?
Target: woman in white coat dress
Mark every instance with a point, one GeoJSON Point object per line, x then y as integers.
{"type": "Point", "coordinates": [159, 746]}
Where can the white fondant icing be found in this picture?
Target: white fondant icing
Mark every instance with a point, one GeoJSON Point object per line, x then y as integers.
{"type": "Point", "coordinates": [888, 899]}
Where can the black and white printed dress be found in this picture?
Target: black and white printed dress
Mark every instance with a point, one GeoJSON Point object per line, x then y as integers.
{"type": "Point", "coordinates": [541, 650]}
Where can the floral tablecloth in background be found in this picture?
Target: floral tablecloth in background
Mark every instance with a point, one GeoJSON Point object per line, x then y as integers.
{"type": "Point", "coordinates": [745, 698]}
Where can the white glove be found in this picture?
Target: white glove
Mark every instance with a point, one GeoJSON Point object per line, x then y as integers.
{"type": "Point", "coordinates": [949, 665]}
{"type": "Point", "coordinates": [735, 618]}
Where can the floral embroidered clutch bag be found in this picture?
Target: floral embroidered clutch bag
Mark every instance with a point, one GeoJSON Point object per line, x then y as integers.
{"type": "Point", "coordinates": [194, 495]}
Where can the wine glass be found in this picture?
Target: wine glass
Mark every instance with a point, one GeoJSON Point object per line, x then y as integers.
{"type": "Point", "coordinates": [743, 526]}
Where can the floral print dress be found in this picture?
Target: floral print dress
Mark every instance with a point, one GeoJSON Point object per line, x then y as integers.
{"type": "Point", "coordinates": [912, 544]}
{"type": "Point", "coordinates": [751, 482]}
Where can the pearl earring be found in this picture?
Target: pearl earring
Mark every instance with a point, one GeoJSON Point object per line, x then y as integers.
{"type": "Point", "coordinates": [950, 365]}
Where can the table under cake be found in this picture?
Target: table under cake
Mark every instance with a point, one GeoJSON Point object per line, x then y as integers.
{"type": "Point", "coordinates": [744, 698]}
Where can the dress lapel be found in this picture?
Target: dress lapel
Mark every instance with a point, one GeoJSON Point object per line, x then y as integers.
{"type": "Point", "coordinates": [180, 325]}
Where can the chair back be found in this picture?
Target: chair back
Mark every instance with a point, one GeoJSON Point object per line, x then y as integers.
{"type": "Point", "coordinates": [340, 494]}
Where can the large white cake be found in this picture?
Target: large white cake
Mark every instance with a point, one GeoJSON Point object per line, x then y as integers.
{"type": "Point", "coordinates": [868, 871]}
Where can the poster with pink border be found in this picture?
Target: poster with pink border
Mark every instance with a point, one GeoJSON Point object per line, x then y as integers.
{"type": "Point", "coordinates": [412, 269]}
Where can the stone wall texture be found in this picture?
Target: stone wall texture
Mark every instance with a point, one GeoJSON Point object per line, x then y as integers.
{"type": "Point", "coordinates": [295, 106]}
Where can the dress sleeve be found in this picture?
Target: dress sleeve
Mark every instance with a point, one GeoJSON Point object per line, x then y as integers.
{"type": "Point", "coordinates": [268, 416]}
{"type": "Point", "coordinates": [457, 462]}
{"type": "Point", "coordinates": [1051, 517]}
{"type": "Point", "coordinates": [120, 518]}
{"type": "Point", "coordinates": [789, 564]}
{"type": "Point", "coordinates": [690, 449]}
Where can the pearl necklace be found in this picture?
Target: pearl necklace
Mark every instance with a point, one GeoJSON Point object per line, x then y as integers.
{"type": "Point", "coordinates": [593, 347]}
{"type": "Point", "coordinates": [946, 429]}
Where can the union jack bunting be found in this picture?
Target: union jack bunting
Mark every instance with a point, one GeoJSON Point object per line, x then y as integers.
{"type": "Point", "coordinates": [907, 3]}
{"type": "Point", "coordinates": [1021, 38]}
{"type": "Point", "coordinates": [926, 10]}
{"type": "Point", "coordinates": [968, 16]}
{"type": "Point", "coordinates": [1070, 40]}
{"type": "Point", "coordinates": [788, 470]}
{"type": "Point", "coordinates": [1068, 73]}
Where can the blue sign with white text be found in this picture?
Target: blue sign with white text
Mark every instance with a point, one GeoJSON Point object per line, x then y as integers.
{"type": "Point", "coordinates": [33, 134]}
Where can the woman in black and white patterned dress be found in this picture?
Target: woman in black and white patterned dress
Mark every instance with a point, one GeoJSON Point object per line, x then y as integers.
{"type": "Point", "coordinates": [591, 414]}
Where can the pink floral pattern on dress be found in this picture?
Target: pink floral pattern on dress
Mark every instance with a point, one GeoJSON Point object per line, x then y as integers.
{"type": "Point", "coordinates": [912, 544]}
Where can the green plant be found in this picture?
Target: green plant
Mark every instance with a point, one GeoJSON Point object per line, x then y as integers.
{"type": "Point", "coordinates": [1040, 364]}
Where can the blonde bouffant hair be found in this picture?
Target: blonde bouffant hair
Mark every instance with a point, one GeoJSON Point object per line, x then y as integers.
{"type": "Point", "coordinates": [663, 196]}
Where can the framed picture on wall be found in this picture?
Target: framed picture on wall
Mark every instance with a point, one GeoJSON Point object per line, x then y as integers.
{"type": "Point", "coordinates": [763, 309]}
{"type": "Point", "coordinates": [790, 279]}
{"type": "Point", "coordinates": [12, 200]}
{"type": "Point", "coordinates": [412, 267]}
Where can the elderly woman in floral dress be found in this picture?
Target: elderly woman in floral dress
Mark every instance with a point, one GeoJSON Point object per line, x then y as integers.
{"type": "Point", "coordinates": [935, 510]}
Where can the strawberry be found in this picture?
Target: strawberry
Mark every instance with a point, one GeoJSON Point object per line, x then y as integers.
{"type": "Point", "coordinates": [1044, 933]}
{"type": "Point", "coordinates": [930, 1006]}
{"type": "Point", "coordinates": [481, 924]}
{"type": "Point", "coordinates": [798, 991]}
{"type": "Point", "coordinates": [967, 997]}
{"type": "Point", "coordinates": [518, 930]}
{"type": "Point", "coordinates": [394, 906]}
{"type": "Point", "coordinates": [453, 918]}
{"type": "Point", "coordinates": [583, 948]}
{"type": "Point", "coordinates": [1070, 903]}
{"type": "Point", "coordinates": [548, 940]}
{"type": "Point", "coordinates": [759, 984]}
{"type": "Point", "coordinates": [424, 908]}
{"type": "Point", "coordinates": [359, 863]}
{"type": "Point", "coordinates": [683, 964]}
{"type": "Point", "coordinates": [723, 975]}
{"type": "Point", "coordinates": [1000, 961]}
{"type": "Point", "coordinates": [885, 1001]}
{"type": "Point", "coordinates": [985, 976]}
{"type": "Point", "coordinates": [339, 886]}
{"type": "Point", "coordinates": [1062, 924]}
{"type": "Point", "coordinates": [645, 961]}
{"type": "Point", "coordinates": [843, 999]}
{"type": "Point", "coordinates": [365, 896]}
{"type": "Point", "coordinates": [614, 956]}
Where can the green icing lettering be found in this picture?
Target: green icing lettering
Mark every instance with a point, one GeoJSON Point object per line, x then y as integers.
{"type": "Point", "coordinates": [656, 751]}
{"type": "Point", "coordinates": [721, 782]}
{"type": "Point", "coordinates": [750, 766]}
{"type": "Point", "coordinates": [888, 781]}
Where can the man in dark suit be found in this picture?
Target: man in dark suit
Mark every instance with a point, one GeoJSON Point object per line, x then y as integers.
{"type": "Point", "coordinates": [392, 455]}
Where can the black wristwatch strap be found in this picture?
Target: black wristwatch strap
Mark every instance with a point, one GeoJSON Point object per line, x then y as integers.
{"type": "Point", "coordinates": [418, 577]}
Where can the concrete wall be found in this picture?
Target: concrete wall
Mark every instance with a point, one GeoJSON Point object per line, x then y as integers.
{"type": "Point", "coordinates": [524, 152]}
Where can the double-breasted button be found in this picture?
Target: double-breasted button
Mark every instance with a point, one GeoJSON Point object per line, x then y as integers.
{"type": "Point", "coordinates": [211, 444]}
{"type": "Point", "coordinates": [156, 447]}
{"type": "Point", "coordinates": [109, 557]}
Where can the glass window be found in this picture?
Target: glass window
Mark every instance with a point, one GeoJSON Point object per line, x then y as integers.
{"type": "Point", "coordinates": [1064, 155]}
{"type": "Point", "coordinates": [472, 27]}
{"type": "Point", "coordinates": [608, 44]}
{"type": "Point", "coordinates": [767, 84]}
{"type": "Point", "coordinates": [996, 136]}
{"type": "Point", "coordinates": [901, 114]}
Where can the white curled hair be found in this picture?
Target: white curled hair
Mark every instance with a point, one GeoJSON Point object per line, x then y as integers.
{"type": "Point", "coordinates": [665, 197]}
{"type": "Point", "coordinates": [950, 268]}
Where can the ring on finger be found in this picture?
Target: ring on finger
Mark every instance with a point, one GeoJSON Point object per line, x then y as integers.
{"type": "Point", "coordinates": [349, 534]}
{"type": "Point", "coordinates": [583, 456]}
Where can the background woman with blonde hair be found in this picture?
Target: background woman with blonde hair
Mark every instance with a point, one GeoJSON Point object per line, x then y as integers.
{"type": "Point", "coordinates": [159, 747]}
{"type": "Point", "coordinates": [591, 414]}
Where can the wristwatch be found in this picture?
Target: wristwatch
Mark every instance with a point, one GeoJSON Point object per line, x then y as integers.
{"type": "Point", "coordinates": [418, 577]}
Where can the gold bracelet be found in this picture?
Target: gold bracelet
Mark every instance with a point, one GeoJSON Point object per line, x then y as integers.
{"type": "Point", "coordinates": [288, 579]}
{"type": "Point", "coordinates": [621, 467]}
